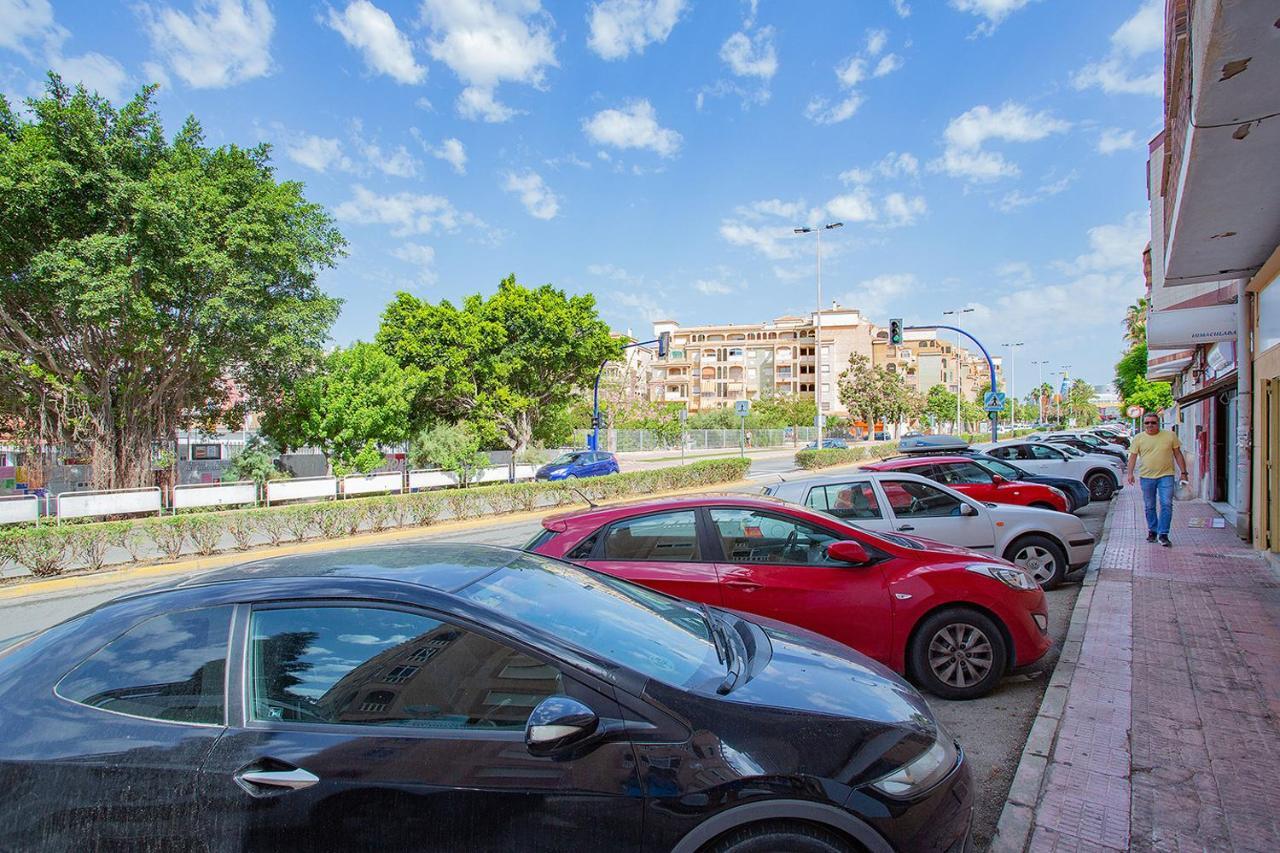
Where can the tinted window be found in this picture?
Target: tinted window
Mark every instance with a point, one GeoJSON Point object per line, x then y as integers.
{"type": "Point", "coordinates": [1039, 452]}
{"type": "Point", "coordinates": [583, 549]}
{"type": "Point", "coordinates": [170, 667]}
{"type": "Point", "coordinates": [665, 536]}
{"type": "Point", "coordinates": [1003, 452]}
{"type": "Point", "coordinates": [910, 499]}
{"type": "Point", "coordinates": [960, 473]}
{"type": "Point", "coordinates": [1006, 471]}
{"type": "Point", "coordinates": [365, 666]}
{"type": "Point", "coordinates": [748, 536]}
{"type": "Point", "coordinates": [845, 500]}
{"type": "Point", "coordinates": [661, 637]}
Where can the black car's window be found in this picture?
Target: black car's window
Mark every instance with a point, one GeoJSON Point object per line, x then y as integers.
{"type": "Point", "coordinates": [911, 499]}
{"type": "Point", "coordinates": [664, 536]}
{"type": "Point", "coordinates": [961, 473]}
{"type": "Point", "coordinates": [1006, 471]}
{"type": "Point", "coordinates": [170, 667]}
{"type": "Point", "coordinates": [845, 500]}
{"type": "Point", "coordinates": [748, 536]}
{"type": "Point", "coordinates": [368, 666]}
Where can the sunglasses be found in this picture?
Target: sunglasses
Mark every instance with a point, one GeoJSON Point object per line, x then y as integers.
{"type": "Point", "coordinates": [1148, 423]}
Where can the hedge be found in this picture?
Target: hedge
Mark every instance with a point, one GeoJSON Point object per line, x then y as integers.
{"type": "Point", "coordinates": [829, 456]}
{"type": "Point", "coordinates": [51, 549]}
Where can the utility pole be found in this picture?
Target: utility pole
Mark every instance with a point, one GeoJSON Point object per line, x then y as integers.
{"type": "Point", "coordinates": [1040, 388]}
{"type": "Point", "coordinates": [1013, 395]}
{"type": "Point", "coordinates": [817, 335]}
{"type": "Point", "coordinates": [955, 364]}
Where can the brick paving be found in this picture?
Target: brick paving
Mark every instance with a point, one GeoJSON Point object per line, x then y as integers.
{"type": "Point", "coordinates": [1170, 732]}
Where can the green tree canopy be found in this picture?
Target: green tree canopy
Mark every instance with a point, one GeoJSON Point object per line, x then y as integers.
{"type": "Point", "coordinates": [450, 447]}
{"type": "Point", "coordinates": [355, 404]}
{"type": "Point", "coordinates": [147, 285]}
{"type": "Point", "coordinates": [505, 363]}
{"type": "Point", "coordinates": [940, 404]}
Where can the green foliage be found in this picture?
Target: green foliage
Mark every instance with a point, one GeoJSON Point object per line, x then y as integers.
{"type": "Point", "coordinates": [44, 551]}
{"type": "Point", "coordinates": [448, 447]}
{"type": "Point", "coordinates": [832, 456]}
{"type": "Point", "coordinates": [205, 531]}
{"type": "Point", "coordinates": [506, 364]}
{"type": "Point", "coordinates": [256, 462]}
{"type": "Point", "coordinates": [243, 526]}
{"type": "Point", "coordinates": [358, 400]}
{"type": "Point", "coordinates": [1151, 396]}
{"type": "Point", "coordinates": [142, 279]}
{"type": "Point", "coordinates": [940, 404]}
{"type": "Point", "coordinates": [424, 507]}
{"type": "Point", "coordinates": [874, 394]}
{"type": "Point", "coordinates": [1131, 376]}
{"type": "Point", "coordinates": [274, 524]}
{"type": "Point", "coordinates": [1129, 369]}
{"type": "Point", "coordinates": [169, 534]}
{"type": "Point", "coordinates": [301, 519]}
{"type": "Point", "coordinates": [88, 543]}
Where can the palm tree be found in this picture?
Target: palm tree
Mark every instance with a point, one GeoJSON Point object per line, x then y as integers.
{"type": "Point", "coordinates": [1135, 321]}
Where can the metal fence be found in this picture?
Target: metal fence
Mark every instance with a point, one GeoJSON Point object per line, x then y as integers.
{"type": "Point", "coordinates": [628, 440]}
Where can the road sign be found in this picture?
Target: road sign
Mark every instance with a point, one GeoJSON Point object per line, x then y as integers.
{"type": "Point", "coordinates": [742, 407]}
{"type": "Point", "coordinates": [993, 401]}
{"type": "Point", "coordinates": [1134, 411]}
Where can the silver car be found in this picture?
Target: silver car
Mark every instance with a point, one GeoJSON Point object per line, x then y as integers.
{"type": "Point", "coordinates": [1045, 543]}
{"type": "Point", "coordinates": [1103, 474]}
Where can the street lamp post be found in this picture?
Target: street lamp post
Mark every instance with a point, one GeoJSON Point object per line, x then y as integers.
{"type": "Point", "coordinates": [1040, 387]}
{"type": "Point", "coordinates": [817, 334]}
{"type": "Point", "coordinates": [955, 362]}
{"type": "Point", "coordinates": [1013, 394]}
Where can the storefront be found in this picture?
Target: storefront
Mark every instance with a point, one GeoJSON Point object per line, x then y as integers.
{"type": "Point", "coordinates": [1265, 293]}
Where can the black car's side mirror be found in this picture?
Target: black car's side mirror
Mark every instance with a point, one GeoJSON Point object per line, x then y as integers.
{"type": "Point", "coordinates": [968, 510]}
{"type": "Point", "coordinates": [558, 722]}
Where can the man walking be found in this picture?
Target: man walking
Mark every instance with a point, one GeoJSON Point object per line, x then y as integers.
{"type": "Point", "coordinates": [1157, 450]}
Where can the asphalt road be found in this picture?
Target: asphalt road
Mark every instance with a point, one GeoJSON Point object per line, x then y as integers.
{"type": "Point", "coordinates": [992, 730]}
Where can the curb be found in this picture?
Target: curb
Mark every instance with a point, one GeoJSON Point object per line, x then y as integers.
{"type": "Point", "coordinates": [231, 558]}
{"type": "Point", "coordinates": [1017, 819]}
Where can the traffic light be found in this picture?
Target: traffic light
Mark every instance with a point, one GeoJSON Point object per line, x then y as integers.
{"type": "Point", "coordinates": [664, 344]}
{"type": "Point", "coordinates": [895, 332]}
{"type": "Point", "coordinates": [595, 421]}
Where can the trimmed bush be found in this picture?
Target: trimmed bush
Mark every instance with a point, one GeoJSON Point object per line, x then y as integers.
{"type": "Point", "coordinates": [299, 519]}
{"type": "Point", "coordinates": [424, 507]}
{"type": "Point", "coordinates": [205, 532]}
{"type": "Point", "coordinates": [272, 523]}
{"type": "Point", "coordinates": [829, 456]}
{"type": "Point", "coordinates": [44, 551]}
{"type": "Point", "coordinates": [242, 526]}
{"type": "Point", "coordinates": [88, 543]}
{"type": "Point", "coordinates": [169, 534]}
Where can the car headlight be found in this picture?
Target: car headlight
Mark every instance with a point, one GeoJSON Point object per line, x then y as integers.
{"type": "Point", "coordinates": [1058, 492]}
{"type": "Point", "coordinates": [924, 771]}
{"type": "Point", "coordinates": [1011, 576]}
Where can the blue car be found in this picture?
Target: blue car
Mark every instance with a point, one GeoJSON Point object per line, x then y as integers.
{"type": "Point", "coordinates": [829, 444]}
{"type": "Point", "coordinates": [579, 463]}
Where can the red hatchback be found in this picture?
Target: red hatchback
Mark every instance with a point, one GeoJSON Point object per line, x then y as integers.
{"type": "Point", "coordinates": [954, 620]}
{"type": "Point", "coordinates": [967, 477]}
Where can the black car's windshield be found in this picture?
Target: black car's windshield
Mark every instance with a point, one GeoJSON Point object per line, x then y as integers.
{"type": "Point", "coordinates": [566, 459]}
{"type": "Point", "coordinates": [1004, 470]}
{"type": "Point", "coordinates": [658, 636]}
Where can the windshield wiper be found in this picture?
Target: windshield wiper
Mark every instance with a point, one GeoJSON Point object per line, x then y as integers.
{"type": "Point", "coordinates": [731, 653]}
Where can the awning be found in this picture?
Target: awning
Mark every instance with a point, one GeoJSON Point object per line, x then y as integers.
{"type": "Point", "coordinates": [1187, 327]}
{"type": "Point", "coordinates": [1166, 365]}
{"type": "Point", "coordinates": [1225, 383]}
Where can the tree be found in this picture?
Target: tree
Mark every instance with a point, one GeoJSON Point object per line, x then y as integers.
{"type": "Point", "coordinates": [1135, 321]}
{"type": "Point", "coordinates": [1151, 396]}
{"type": "Point", "coordinates": [1131, 366]}
{"type": "Point", "coordinates": [775, 411]}
{"type": "Point", "coordinates": [257, 462]}
{"type": "Point", "coordinates": [940, 404]}
{"type": "Point", "coordinates": [1080, 403]}
{"type": "Point", "coordinates": [147, 285]}
{"type": "Point", "coordinates": [860, 391]}
{"type": "Point", "coordinates": [450, 447]}
{"type": "Point", "coordinates": [356, 403]}
{"type": "Point", "coordinates": [504, 363]}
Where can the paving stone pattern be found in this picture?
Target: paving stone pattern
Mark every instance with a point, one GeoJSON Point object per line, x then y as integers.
{"type": "Point", "coordinates": [1170, 732]}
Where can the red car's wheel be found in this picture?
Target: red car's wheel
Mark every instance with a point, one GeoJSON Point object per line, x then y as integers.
{"type": "Point", "coordinates": [958, 653]}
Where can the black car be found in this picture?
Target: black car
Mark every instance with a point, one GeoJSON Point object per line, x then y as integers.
{"type": "Point", "coordinates": [454, 697]}
{"type": "Point", "coordinates": [1077, 492]}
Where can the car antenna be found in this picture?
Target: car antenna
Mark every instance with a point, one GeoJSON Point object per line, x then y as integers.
{"type": "Point", "coordinates": [585, 499]}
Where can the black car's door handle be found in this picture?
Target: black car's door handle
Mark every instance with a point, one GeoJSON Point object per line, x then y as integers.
{"type": "Point", "coordinates": [258, 781]}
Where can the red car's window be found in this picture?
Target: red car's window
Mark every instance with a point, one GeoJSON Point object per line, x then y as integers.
{"type": "Point", "coordinates": [748, 536]}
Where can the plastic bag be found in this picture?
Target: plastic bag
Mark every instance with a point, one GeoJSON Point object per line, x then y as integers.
{"type": "Point", "coordinates": [1183, 492]}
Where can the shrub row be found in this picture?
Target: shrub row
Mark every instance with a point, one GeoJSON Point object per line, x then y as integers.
{"type": "Point", "coordinates": [829, 456]}
{"type": "Point", "coordinates": [50, 549]}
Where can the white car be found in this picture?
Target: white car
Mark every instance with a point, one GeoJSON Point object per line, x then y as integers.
{"type": "Point", "coordinates": [1045, 543]}
{"type": "Point", "coordinates": [1102, 473]}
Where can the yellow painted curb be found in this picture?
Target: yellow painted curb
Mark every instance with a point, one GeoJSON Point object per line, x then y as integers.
{"type": "Point", "coordinates": [216, 561]}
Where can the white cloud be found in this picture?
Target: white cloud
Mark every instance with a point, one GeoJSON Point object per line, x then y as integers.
{"type": "Point", "coordinates": [901, 7]}
{"type": "Point", "coordinates": [407, 213]}
{"type": "Point", "coordinates": [993, 11]}
{"type": "Point", "coordinates": [895, 164]}
{"type": "Point", "coordinates": [318, 153]}
{"type": "Point", "coordinates": [1133, 65]}
{"type": "Point", "coordinates": [1016, 199]}
{"type": "Point", "coordinates": [422, 257]}
{"type": "Point", "coordinates": [98, 73]}
{"type": "Point", "coordinates": [29, 28]}
{"type": "Point", "coordinates": [751, 55]}
{"type": "Point", "coordinates": [850, 73]}
{"type": "Point", "coordinates": [903, 210]}
{"type": "Point", "coordinates": [1116, 246]}
{"type": "Point", "coordinates": [397, 162]}
{"type": "Point", "coordinates": [773, 207]}
{"type": "Point", "coordinates": [486, 43]}
{"type": "Point", "coordinates": [856, 206]}
{"type": "Point", "coordinates": [640, 302]}
{"type": "Point", "coordinates": [370, 640]}
{"type": "Point", "coordinates": [875, 296]}
{"type": "Point", "coordinates": [964, 157]}
{"type": "Point", "coordinates": [770, 241]}
{"type": "Point", "coordinates": [453, 152]}
{"type": "Point", "coordinates": [856, 176]}
{"type": "Point", "coordinates": [372, 31]}
{"type": "Point", "coordinates": [1113, 139]}
{"type": "Point", "coordinates": [223, 42]}
{"type": "Point", "coordinates": [620, 28]}
{"type": "Point", "coordinates": [633, 126]}
{"type": "Point", "coordinates": [154, 72]}
{"type": "Point", "coordinates": [712, 288]}
{"type": "Point", "coordinates": [536, 196]}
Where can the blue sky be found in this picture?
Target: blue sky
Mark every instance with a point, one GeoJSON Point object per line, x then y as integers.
{"type": "Point", "coordinates": [982, 153]}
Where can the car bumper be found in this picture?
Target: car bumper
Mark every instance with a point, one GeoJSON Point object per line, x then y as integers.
{"type": "Point", "coordinates": [939, 819]}
{"type": "Point", "coordinates": [1080, 550]}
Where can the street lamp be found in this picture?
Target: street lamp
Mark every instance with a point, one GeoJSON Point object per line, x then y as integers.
{"type": "Point", "coordinates": [817, 336]}
{"type": "Point", "coordinates": [955, 361]}
{"type": "Point", "coordinates": [1013, 394]}
{"type": "Point", "coordinates": [1040, 387]}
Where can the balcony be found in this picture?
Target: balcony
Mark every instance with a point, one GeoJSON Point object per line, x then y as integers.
{"type": "Point", "coordinates": [1221, 187]}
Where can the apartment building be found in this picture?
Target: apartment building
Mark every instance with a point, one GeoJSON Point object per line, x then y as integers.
{"type": "Point", "coordinates": [713, 366]}
{"type": "Point", "coordinates": [924, 360]}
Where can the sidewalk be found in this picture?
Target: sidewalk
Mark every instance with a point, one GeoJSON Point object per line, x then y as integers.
{"type": "Point", "coordinates": [1166, 701]}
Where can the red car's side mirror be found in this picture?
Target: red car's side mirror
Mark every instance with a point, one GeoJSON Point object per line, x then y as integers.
{"type": "Point", "coordinates": [848, 551]}
{"type": "Point", "coordinates": [997, 480]}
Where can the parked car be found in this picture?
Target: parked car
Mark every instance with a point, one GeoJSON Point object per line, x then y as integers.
{"type": "Point", "coordinates": [1110, 436]}
{"type": "Point", "coordinates": [1091, 444]}
{"type": "Point", "coordinates": [1047, 544]}
{"type": "Point", "coordinates": [829, 444]}
{"type": "Point", "coordinates": [906, 602]}
{"type": "Point", "coordinates": [882, 435]}
{"type": "Point", "coordinates": [579, 463]}
{"type": "Point", "coordinates": [963, 475]}
{"type": "Point", "coordinates": [1077, 492]}
{"type": "Point", "coordinates": [370, 698]}
{"type": "Point", "coordinates": [1101, 473]}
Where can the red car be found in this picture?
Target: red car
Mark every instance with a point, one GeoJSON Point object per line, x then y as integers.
{"type": "Point", "coordinates": [954, 620]}
{"type": "Point", "coordinates": [963, 475]}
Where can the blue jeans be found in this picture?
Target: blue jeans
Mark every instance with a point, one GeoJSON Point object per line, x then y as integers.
{"type": "Point", "coordinates": [1157, 497]}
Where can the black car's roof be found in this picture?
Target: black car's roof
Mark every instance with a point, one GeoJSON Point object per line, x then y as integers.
{"type": "Point", "coordinates": [447, 567]}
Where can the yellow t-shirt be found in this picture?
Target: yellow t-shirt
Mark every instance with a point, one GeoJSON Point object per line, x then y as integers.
{"type": "Point", "coordinates": [1155, 453]}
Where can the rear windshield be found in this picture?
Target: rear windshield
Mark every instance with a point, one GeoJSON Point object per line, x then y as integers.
{"type": "Point", "coordinates": [661, 637]}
